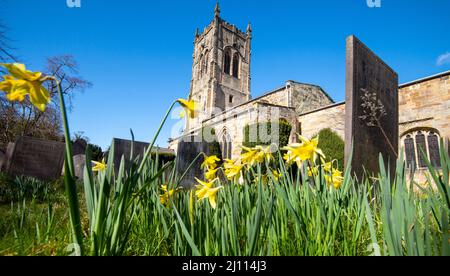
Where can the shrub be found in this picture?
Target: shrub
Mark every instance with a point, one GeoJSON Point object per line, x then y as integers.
{"type": "Point", "coordinates": [332, 146]}
{"type": "Point", "coordinates": [284, 131]}
{"type": "Point", "coordinates": [97, 153]}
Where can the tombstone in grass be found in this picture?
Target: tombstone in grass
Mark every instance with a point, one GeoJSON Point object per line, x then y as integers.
{"type": "Point", "coordinates": [36, 158]}
{"type": "Point", "coordinates": [371, 110]}
{"type": "Point", "coordinates": [188, 149]}
{"type": "Point", "coordinates": [123, 148]}
{"type": "Point", "coordinates": [79, 147]}
{"type": "Point", "coordinates": [8, 155]}
{"type": "Point", "coordinates": [2, 160]}
{"type": "Point", "coordinates": [79, 157]}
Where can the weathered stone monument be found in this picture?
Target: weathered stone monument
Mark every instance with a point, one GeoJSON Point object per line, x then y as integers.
{"type": "Point", "coordinates": [188, 149]}
{"type": "Point", "coordinates": [9, 152]}
{"type": "Point", "coordinates": [123, 148]}
{"type": "Point", "coordinates": [79, 162]}
{"type": "Point", "coordinates": [366, 72]}
{"type": "Point", "coordinates": [79, 157]}
{"type": "Point", "coordinates": [79, 147]}
{"type": "Point", "coordinates": [36, 158]}
{"type": "Point", "coordinates": [2, 160]}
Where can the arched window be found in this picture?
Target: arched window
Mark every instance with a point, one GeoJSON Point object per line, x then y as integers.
{"type": "Point", "coordinates": [226, 146]}
{"type": "Point", "coordinates": [421, 141]}
{"type": "Point", "coordinates": [227, 62]}
{"type": "Point", "coordinates": [236, 65]}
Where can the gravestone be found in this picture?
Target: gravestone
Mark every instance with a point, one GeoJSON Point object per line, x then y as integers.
{"type": "Point", "coordinates": [366, 71]}
{"type": "Point", "coordinates": [188, 150]}
{"type": "Point", "coordinates": [9, 152]}
{"type": "Point", "coordinates": [37, 158]}
{"type": "Point", "coordinates": [79, 162]}
{"type": "Point", "coordinates": [2, 160]}
{"type": "Point", "coordinates": [79, 147]}
{"type": "Point", "coordinates": [123, 148]}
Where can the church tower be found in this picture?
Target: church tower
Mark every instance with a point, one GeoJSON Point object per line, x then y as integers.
{"type": "Point", "coordinates": [221, 67]}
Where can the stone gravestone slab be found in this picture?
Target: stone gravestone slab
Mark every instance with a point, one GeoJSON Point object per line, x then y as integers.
{"type": "Point", "coordinates": [2, 160]}
{"type": "Point", "coordinates": [9, 152]}
{"type": "Point", "coordinates": [188, 150]}
{"type": "Point", "coordinates": [79, 147]}
{"type": "Point", "coordinates": [79, 162]}
{"type": "Point", "coordinates": [366, 71]}
{"type": "Point", "coordinates": [37, 158]}
{"type": "Point", "coordinates": [123, 148]}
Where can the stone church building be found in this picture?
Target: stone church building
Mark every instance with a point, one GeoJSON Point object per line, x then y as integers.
{"type": "Point", "coordinates": [221, 84]}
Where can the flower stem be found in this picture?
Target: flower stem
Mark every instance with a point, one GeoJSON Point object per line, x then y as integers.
{"type": "Point", "coordinates": [149, 150]}
{"type": "Point", "coordinates": [69, 176]}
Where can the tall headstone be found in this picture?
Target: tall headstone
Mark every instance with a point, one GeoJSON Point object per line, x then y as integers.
{"type": "Point", "coordinates": [188, 150]}
{"type": "Point", "coordinates": [37, 158]}
{"type": "Point", "coordinates": [79, 147]}
{"type": "Point", "coordinates": [2, 160]}
{"type": "Point", "coordinates": [365, 71]}
{"type": "Point", "coordinates": [79, 162]}
{"type": "Point", "coordinates": [9, 152]}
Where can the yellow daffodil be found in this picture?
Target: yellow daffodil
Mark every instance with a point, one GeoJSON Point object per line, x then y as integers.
{"type": "Point", "coordinates": [164, 198]}
{"type": "Point", "coordinates": [206, 190]}
{"type": "Point", "coordinates": [232, 170]}
{"type": "Point", "coordinates": [307, 150]}
{"type": "Point", "coordinates": [99, 166]}
{"type": "Point", "coordinates": [314, 171]}
{"type": "Point", "coordinates": [210, 162]}
{"type": "Point", "coordinates": [264, 153]}
{"type": "Point", "coordinates": [276, 175]}
{"type": "Point", "coordinates": [335, 179]}
{"type": "Point", "coordinates": [190, 108]}
{"type": "Point", "coordinates": [211, 195]}
{"type": "Point", "coordinates": [203, 188]}
{"type": "Point", "coordinates": [211, 174]}
{"type": "Point", "coordinates": [22, 82]}
{"type": "Point", "coordinates": [256, 155]}
{"type": "Point", "coordinates": [328, 167]}
{"type": "Point", "coordinates": [248, 158]}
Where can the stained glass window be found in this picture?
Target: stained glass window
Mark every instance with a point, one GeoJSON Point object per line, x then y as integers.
{"type": "Point", "coordinates": [410, 150]}
{"type": "Point", "coordinates": [433, 149]}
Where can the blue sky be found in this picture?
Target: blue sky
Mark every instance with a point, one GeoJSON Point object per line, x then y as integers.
{"type": "Point", "coordinates": [138, 54]}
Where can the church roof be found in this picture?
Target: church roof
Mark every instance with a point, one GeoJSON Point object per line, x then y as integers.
{"type": "Point", "coordinates": [439, 75]}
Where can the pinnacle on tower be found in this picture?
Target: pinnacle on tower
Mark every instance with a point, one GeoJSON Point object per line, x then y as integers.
{"type": "Point", "coordinates": [249, 27]}
{"type": "Point", "coordinates": [217, 10]}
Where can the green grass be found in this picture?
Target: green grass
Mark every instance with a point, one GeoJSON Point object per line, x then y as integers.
{"type": "Point", "coordinates": [291, 217]}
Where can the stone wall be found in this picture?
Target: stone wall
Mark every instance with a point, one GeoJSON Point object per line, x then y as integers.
{"type": "Point", "coordinates": [277, 97]}
{"type": "Point", "coordinates": [332, 117]}
{"type": "Point", "coordinates": [305, 97]}
{"type": "Point", "coordinates": [425, 105]}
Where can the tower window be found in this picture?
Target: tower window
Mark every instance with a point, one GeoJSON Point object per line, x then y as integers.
{"type": "Point", "coordinates": [227, 62]}
{"type": "Point", "coordinates": [230, 99]}
{"type": "Point", "coordinates": [236, 65]}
